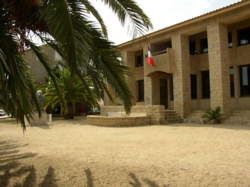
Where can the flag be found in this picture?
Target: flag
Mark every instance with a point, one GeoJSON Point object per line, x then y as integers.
{"type": "Point", "coordinates": [150, 59]}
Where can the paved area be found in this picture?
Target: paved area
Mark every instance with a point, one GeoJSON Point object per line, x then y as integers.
{"type": "Point", "coordinates": [72, 153]}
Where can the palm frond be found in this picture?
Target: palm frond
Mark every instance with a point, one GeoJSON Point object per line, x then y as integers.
{"type": "Point", "coordinates": [89, 7]}
{"type": "Point", "coordinates": [129, 10]}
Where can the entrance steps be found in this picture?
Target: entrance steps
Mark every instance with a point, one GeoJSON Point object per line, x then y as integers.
{"type": "Point", "coordinates": [172, 117]}
{"type": "Point", "coordinates": [195, 117]}
{"type": "Point", "coordinates": [239, 117]}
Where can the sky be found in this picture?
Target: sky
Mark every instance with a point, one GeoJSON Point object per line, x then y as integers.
{"type": "Point", "coordinates": [163, 13]}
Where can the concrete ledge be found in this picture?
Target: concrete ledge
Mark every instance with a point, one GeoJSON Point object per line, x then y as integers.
{"type": "Point", "coordinates": [121, 121]}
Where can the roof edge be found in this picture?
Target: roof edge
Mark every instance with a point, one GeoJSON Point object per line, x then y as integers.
{"type": "Point", "coordinates": [187, 22]}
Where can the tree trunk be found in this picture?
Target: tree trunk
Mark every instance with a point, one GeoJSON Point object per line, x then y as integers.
{"type": "Point", "coordinates": [70, 112]}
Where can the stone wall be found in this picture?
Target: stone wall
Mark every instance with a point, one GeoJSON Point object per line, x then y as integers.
{"type": "Point", "coordinates": [156, 113]}
{"type": "Point", "coordinates": [118, 121]}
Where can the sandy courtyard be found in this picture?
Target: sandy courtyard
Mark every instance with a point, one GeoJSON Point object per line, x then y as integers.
{"type": "Point", "coordinates": [71, 153]}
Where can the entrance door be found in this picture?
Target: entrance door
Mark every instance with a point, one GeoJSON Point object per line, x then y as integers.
{"type": "Point", "coordinates": [164, 92]}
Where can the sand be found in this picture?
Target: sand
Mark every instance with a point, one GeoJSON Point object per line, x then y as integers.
{"type": "Point", "coordinates": [72, 153]}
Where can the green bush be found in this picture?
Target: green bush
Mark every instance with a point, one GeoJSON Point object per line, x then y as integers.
{"type": "Point", "coordinates": [213, 116]}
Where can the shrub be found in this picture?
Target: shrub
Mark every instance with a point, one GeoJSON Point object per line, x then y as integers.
{"type": "Point", "coordinates": [213, 116]}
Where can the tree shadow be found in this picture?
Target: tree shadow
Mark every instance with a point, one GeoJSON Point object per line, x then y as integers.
{"type": "Point", "coordinates": [9, 165]}
{"type": "Point", "coordinates": [136, 182]}
{"type": "Point", "coordinates": [10, 168]}
{"type": "Point", "coordinates": [49, 179]}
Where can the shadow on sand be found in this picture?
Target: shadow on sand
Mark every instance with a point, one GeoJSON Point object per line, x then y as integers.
{"type": "Point", "coordinates": [10, 169]}
{"type": "Point", "coordinates": [9, 165]}
{"type": "Point", "coordinates": [136, 182]}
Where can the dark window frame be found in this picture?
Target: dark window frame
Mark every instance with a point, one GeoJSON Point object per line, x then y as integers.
{"type": "Point", "coordinates": [244, 89]}
{"type": "Point", "coordinates": [205, 79]}
{"type": "Point", "coordinates": [171, 87]}
{"type": "Point", "coordinates": [243, 36]}
{"type": "Point", "coordinates": [230, 40]}
{"type": "Point", "coordinates": [139, 60]}
{"type": "Point", "coordinates": [192, 47]}
{"type": "Point", "coordinates": [194, 86]}
{"type": "Point", "coordinates": [204, 46]}
{"type": "Point", "coordinates": [232, 85]}
{"type": "Point", "coordinates": [140, 91]}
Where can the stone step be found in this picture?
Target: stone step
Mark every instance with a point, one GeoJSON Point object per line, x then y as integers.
{"type": "Point", "coordinates": [195, 117]}
{"type": "Point", "coordinates": [239, 117]}
{"type": "Point", "coordinates": [238, 122]}
{"type": "Point", "coordinates": [172, 117]}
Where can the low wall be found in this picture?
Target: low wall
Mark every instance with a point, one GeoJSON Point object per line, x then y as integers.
{"type": "Point", "coordinates": [44, 120]}
{"type": "Point", "coordinates": [124, 121]}
{"type": "Point", "coordinates": [156, 113]}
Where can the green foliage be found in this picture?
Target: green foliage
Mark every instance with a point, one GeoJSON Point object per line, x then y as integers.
{"type": "Point", "coordinates": [213, 116]}
{"type": "Point", "coordinates": [72, 91]}
{"type": "Point", "coordinates": [64, 25]}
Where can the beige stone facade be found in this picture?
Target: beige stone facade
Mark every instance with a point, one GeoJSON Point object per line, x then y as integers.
{"type": "Point", "coordinates": [201, 63]}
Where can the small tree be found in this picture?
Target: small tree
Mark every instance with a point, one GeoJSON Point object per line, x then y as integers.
{"type": "Point", "coordinates": [213, 116]}
{"type": "Point", "coordinates": [71, 91]}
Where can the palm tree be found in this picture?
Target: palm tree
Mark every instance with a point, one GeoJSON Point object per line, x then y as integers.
{"type": "Point", "coordinates": [65, 26]}
{"type": "Point", "coordinates": [72, 92]}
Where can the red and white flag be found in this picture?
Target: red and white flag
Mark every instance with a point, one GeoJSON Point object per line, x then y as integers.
{"type": "Point", "coordinates": [150, 59]}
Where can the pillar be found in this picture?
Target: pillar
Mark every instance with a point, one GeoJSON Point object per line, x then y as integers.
{"type": "Point", "coordinates": [148, 82]}
{"type": "Point", "coordinates": [219, 66]}
{"type": "Point", "coordinates": [181, 76]}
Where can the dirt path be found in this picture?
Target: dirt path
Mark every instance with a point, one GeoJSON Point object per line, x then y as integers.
{"type": "Point", "coordinates": [71, 153]}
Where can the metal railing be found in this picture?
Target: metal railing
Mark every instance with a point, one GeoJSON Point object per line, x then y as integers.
{"type": "Point", "coordinates": [156, 53]}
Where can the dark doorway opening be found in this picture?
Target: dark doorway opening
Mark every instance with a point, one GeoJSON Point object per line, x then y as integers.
{"type": "Point", "coordinates": [164, 92]}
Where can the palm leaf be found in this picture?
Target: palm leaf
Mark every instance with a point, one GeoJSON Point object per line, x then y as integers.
{"type": "Point", "coordinates": [129, 10]}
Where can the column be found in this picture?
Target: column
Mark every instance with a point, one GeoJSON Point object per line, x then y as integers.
{"type": "Point", "coordinates": [129, 60]}
{"type": "Point", "coordinates": [219, 66]}
{"type": "Point", "coordinates": [181, 76]}
{"type": "Point", "coordinates": [147, 82]}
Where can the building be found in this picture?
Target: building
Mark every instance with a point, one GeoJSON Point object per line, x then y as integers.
{"type": "Point", "coordinates": [201, 63]}
{"type": "Point", "coordinates": [37, 70]}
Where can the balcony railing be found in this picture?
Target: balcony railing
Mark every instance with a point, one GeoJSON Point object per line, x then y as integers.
{"type": "Point", "coordinates": [156, 53]}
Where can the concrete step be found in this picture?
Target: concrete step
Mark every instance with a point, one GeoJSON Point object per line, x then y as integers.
{"type": "Point", "coordinates": [195, 117]}
{"type": "Point", "coordinates": [172, 117]}
{"type": "Point", "coordinates": [239, 117]}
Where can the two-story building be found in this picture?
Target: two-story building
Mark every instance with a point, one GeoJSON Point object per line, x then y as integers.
{"type": "Point", "coordinates": [201, 63]}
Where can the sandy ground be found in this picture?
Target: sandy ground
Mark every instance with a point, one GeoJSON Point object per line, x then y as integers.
{"type": "Point", "coordinates": [72, 153]}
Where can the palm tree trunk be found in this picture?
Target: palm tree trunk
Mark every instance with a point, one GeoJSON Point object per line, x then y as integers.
{"type": "Point", "coordinates": [69, 114]}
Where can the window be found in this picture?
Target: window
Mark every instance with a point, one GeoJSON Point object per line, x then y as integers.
{"type": "Point", "coordinates": [140, 87]}
{"type": "Point", "coordinates": [194, 86]}
{"type": "Point", "coordinates": [192, 47]}
{"type": "Point", "coordinates": [245, 80]}
{"type": "Point", "coordinates": [205, 84]}
{"type": "Point", "coordinates": [204, 45]}
{"type": "Point", "coordinates": [244, 36]}
{"type": "Point", "coordinates": [139, 61]}
{"type": "Point", "coordinates": [230, 40]}
{"type": "Point", "coordinates": [232, 87]}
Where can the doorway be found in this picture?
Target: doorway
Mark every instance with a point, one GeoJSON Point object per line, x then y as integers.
{"type": "Point", "coordinates": [164, 92]}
